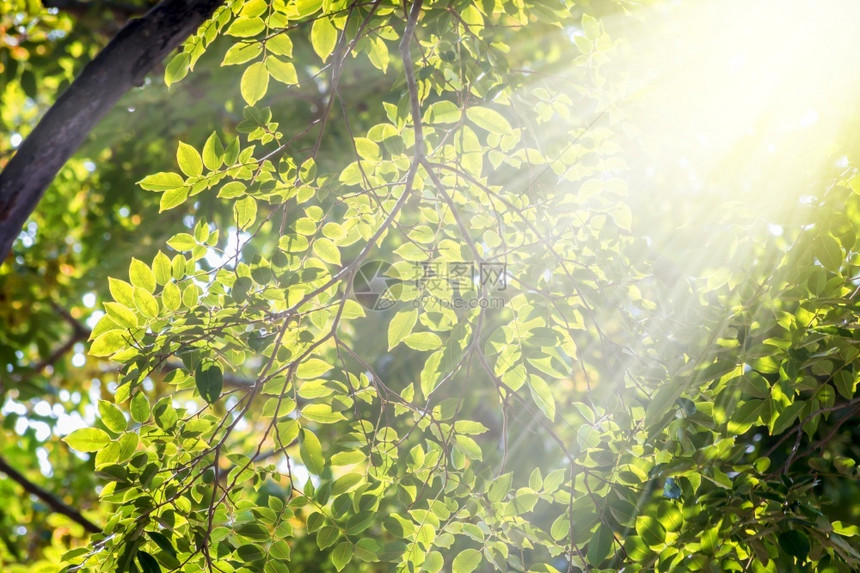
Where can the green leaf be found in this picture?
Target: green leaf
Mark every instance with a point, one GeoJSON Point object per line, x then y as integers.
{"type": "Point", "coordinates": [243, 27]}
{"type": "Point", "coordinates": [423, 341]}
{"type": "Point", "coordinates": [442, 112]}
{"type": "Point", "coordinates": [161, 268]}
{"type": "Point", "coordinates": [121, 315]}
{"type": "Point", "coordinates": [327, 535]}
{"type": "Point", "coordinates": [213, 152]}
{"type": "Point", "coordinates": [795, 543]}
{"type": "Point", "coordinates": [560, 528]}
{"type": "Point", "coordinates": [171, 298]}
{"type": "Point", "coordinates": [148, 564]}
{"type": "Point", "coordinates": [311, 452]}
{"type": "Point", "coordinates": [312, 368]}
{"type": "Point", "coordinates": [828, 252]}
{"type": "Point", "coordinates": [163, 181]}
{"type": "Point", "coordinates": [122, 292]}
{"type": "Point", "coordinates": [650, 530]}
{"type": "Point", "coordinates": [323, 37]}
{"type": "Point", "coordinates": [241, 53]}
{"type": "Point", "coordinates": [401, 325]}
{"type": "Point", "coordinates": [489, 119]}
{"type": "Point", "coordinates": [182, 242]}
{"type": "Point", "coordinates": [500, 487]}
{"type": "Point", "coordinates": [326, 250]}
{"type": "Point", "coordinates": [661, 402]}
{"type": "Point", "coordinates": [341, 555]}
{"type": "Point", "coordinates": [542, 395]}
{"type": "Point", "coordinates": [210, 382]}
{"type": "Point", "coordinates": [308, 170]}
{"type": "Point", "coordinates": [245, 212]}
{"type": "Point", "coordinates": [108, 343]}
{"type": "Point", "coordinates": [232, 190]}
{"type": "Point", "coordinates": [191, 295]}
{"type": "Point", "coordinates": [141, 275]}
{"type": "Point", "coordinates": [173, 198]}
{"type": "Point", "coordinates": [189, 160]}
{"type": "Point", "coordinates": [321, 413]}
{"type": "Point", "coordinates": [255, 83]}
{"type": "Point", "coordinates": [162, 541]}
{"type": "Point", "coordinates": [284, 72]}
{"type": "Point", "coordinates": [87, 439]}
{"type": "Point", "coordinates": [466, 561]}
{"type": "Point", "coordinates": [783, 420]}
{"type": "Point", "coordinates": [112, 417]}
{"type": "Point", "coordinates": [177, 68]}
{"type": "Point", "coordinates": [280, 44]}
{"type": "Point", "coordinates": [145, 303]}
{"type": "Point", "coordinates": [139, 408]}
{"type": "Point", "coordinates": [600, 545]}
{"type": "Point", "coordinates": [251, 552]}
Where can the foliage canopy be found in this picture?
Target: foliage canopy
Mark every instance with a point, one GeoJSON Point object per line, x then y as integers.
{"type": "Point", "coordinates": [391, 294]}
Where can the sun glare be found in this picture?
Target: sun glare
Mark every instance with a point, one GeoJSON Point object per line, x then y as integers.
{"type": "Point", "coordinates": [747, 96]}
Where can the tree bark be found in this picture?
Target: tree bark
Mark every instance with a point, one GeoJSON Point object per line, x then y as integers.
{"type": "Point", "coordinates": [123, 63]}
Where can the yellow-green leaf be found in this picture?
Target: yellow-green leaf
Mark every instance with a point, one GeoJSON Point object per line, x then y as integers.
{"type": "Point", "coordinates": [241, 53]}
{"type": "Point", "coordinates": [542, 395]}
{"type": "Point", "coordinates": [213, 152]}
{"type": "Point", "coordinates": [108, 343]}
{"type": "Point", "coordinates": [312, 368]}
{"type": "Point", "coordinates": [489, 119]}
{"type": "Point", "coordinates": [87, 439]}
{"type": "Point", "coordinates": [121, 291]}
{"type": "Point", "coordinates": [171, 298]}
{"type": "Point", "coordinates": [280, 45]}
{"type": "Point", "coordinates": [141, 276]}
{"type": "Point", "coordinates": [245, 211]}
{"type": "Point", "coordinates": [177, 68]}
{"type": "Point", "coordinates": [467, 561]}
{"type": "Point", "coordinates": [423, 341]}
{"type": "Point", "coordinates": [246, 27]}
{"type": "Point", "coordinates": [311, 452]}
{"type": "Point", "coordinates": [232, 190]}
{"type": "Point", "coordinates": [145, 303]}
{"type": "Point", "coordinates": [140, 408]}
{"type": "Point", "coordinates": [323, 37]}
{"type": "Point", "coordinates": [401, 324]}
{"type": "Point", "coordinates": [442, 112]}
{"type": "Point", "coordinates": [161, 181]}
{"type": "Point", "coordinates": [255, 83]}
{"type": "Point", "coordinates": [173, 198]}
{"type": "Point", "coordinates": [327, 250]}
{"type": "Point", "coordinates": [112, 417]}
{"type": "Point", "coordinates": [189, 160]}
{"type": "Point", "coordinates": [284, 72]}
{"type": "Point", "coordinates": [161, 268]}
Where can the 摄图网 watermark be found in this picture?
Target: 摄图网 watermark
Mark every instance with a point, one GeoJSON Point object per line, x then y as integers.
{"type": "Point", "coordinates": [380, 285]}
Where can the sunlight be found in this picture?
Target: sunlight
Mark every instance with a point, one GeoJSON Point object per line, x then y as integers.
{"type": "Point", "coordinates": [747, 98]}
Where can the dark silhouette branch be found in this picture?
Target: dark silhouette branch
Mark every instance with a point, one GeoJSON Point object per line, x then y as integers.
{"type": "Point", "coordinates": [142, 44]}
{"type": "Point", "coordinates": [48, 498]}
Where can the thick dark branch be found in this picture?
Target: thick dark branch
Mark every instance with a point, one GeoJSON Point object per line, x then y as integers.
{"type": "Point", "coordinates": [48, 498]}
{"type": "Point", "coordinates": [124, 63]}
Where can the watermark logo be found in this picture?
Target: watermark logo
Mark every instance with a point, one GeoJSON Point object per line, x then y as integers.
{"type": "Point", "coordinates": [376, 285]}
{"type": "Point", "coordinates": [379, 285]}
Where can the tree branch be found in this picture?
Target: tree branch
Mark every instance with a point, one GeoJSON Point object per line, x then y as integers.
{"type": "Point", "coordinates": [48, 498]}
{"type": "Point", "coordinates": [124, 63]}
